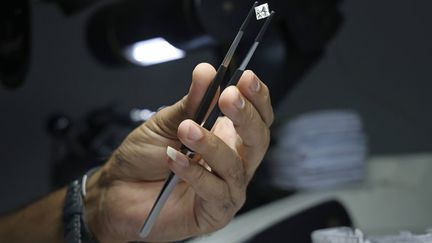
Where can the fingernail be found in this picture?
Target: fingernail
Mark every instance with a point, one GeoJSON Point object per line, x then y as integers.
{"type": "Point", "coordinates": [256, 85]}
{"type": "Point", "coordinates": [194, 133]}
{"type": "Point", "coordinates": [177, 157]}
{"type": "Point", "coordinates": [239, 103]}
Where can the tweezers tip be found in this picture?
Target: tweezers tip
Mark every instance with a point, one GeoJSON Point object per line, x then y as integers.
{"type": "Point", "coordinates": [144, 234]}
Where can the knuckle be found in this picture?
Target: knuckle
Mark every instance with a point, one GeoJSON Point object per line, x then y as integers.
{"type": "Point", "coordinates": [222, 223]}
{"type": "Point", "coordinates": [237, 175]}
{"type": "Point", "coordinates": [227, 213]}
{"type": "Point", "coordinates": [271, 119]}
{"type": "Point", "coordinates": [220, 196]}
{"type": "Point", "coordinates": [249, 115]}
{"type": "Point", "coordinates": [240, 201]}
{"type": "Point", "coordinates": [223, 197]}
{"type": "Point", "coordinates": [265, 88]}
{"type": "Point", "coordinates": [226, 207]}
{"type": "Point", "coordinates": [212, 144]}
{"type": "Point", "coordinates": [267, 138]}
{"type": "Point", "coordinates": [183, 105]}
{"type": "Point", "coordinates": [227, 220]}
{"type": "Point", "coordinates": [120, 158]}
{"type": "Point", "coordinates": [226, 210]}
{"type": "Point", "coordinates": [199, 175]}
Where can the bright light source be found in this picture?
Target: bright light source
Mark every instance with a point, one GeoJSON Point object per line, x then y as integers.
{"type": "Point", "coordinates": [153, 51]}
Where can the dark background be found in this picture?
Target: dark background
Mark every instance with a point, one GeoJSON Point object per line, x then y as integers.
{"type": "Point", "coordinates": [379, 64]}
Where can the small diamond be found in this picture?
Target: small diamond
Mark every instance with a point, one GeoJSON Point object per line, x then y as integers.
{"type": "Point", "coordinates": [262, 11]}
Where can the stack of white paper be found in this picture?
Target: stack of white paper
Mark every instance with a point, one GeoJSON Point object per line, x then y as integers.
{"type": "Point", "coordinates": [319, 149]}
{"type": "Point", "coordinates": [348, 235]}
{"type": "Point", "coordinates": [338, 235]}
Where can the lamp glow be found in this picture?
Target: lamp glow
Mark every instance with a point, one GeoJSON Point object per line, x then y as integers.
{"type": "Point", "coordinates": [153, 51]}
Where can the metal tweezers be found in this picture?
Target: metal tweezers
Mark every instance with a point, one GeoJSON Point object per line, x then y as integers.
{"type": "Point", "coordinates": [203, 108]}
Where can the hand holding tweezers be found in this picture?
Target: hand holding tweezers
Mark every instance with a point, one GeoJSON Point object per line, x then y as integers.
{"type": "Point", "coordinates": [203, 108]}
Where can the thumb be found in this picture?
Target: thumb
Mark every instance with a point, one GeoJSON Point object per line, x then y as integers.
{"type": "Point", "coordinates": [169, 118]}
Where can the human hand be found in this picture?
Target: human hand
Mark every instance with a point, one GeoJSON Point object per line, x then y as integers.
{"type": "Point", "coordinates": [121, 194]}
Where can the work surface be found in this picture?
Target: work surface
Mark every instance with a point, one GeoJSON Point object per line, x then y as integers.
{"type": "Point", "coordinates": [396, 195]}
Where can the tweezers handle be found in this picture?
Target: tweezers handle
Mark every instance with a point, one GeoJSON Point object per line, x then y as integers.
{"type": "Point", "coordinates": [216, 112]}
{"type": "Point", "coordinates": [170, 182]}
{"type": "Point", "coordinates": [209, 95]}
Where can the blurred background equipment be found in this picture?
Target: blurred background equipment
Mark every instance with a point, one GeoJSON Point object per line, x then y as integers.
{"type": "Point", "coordinates": [78, 146]}
{"type": "Point", "coordinates": [70, 7]}
{"type": "Point", "coordinates": [348, 235]}
{"type": "Point", "coordinates": [338, 235]}
{"type": "Point", "coordinates": [156, 31]}
{"type": "Point", "coordinates": [320, 149]}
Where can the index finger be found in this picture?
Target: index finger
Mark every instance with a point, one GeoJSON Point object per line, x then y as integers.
{"type": "Point", "coordinates": [168, 119]}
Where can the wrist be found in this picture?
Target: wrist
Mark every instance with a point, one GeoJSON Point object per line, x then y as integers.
{"type": "Point", "coordinates": [77, 208]}
{"type": "Point", "coordinates": [94, 190]}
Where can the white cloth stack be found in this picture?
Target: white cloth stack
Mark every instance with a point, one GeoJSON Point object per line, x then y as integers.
{"type": "Point", "coordinates": [348, 235]}
{"type": "Point", "coordinates": [319, 150]}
